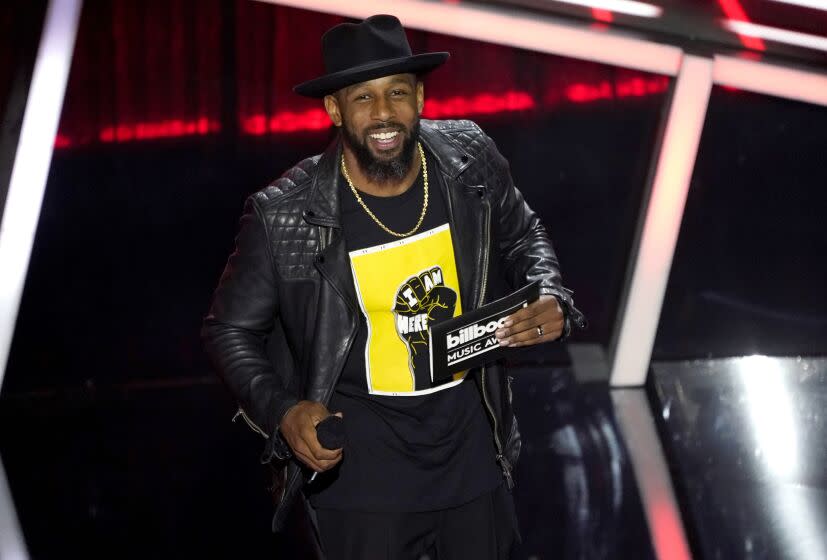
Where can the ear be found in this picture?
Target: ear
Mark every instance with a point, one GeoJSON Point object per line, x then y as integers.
{"type": "Point", "coordinates": [420, 96]}
{"type": "Point", "coordinates": [331, 105]}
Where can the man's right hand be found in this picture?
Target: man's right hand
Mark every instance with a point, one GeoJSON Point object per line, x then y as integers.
{"type": "Point", "coordinates": [298, 428]}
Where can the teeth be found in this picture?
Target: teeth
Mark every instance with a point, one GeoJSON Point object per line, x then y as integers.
{"type": "Point", "coordinates": [384, 135]}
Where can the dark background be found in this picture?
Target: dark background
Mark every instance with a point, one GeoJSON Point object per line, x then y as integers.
{"type": "Point", "coordinates": [749, 273]}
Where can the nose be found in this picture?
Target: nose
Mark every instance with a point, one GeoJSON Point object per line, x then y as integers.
{"type": "Point", "coordinates": [382, 109]}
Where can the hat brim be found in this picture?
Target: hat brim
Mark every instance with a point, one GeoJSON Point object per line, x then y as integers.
{"type": "Point", "coordinates": [330, 83]}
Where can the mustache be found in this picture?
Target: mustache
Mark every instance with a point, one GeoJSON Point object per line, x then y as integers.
{"type": "Point", "coordinates": [386, 127]}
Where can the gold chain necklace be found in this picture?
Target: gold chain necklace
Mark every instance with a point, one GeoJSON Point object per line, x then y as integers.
{"type": "Point", "coordinates": [372, 215]}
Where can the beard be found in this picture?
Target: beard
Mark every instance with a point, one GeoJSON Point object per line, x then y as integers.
{"type": "Point", "coordinates": [378, 170]}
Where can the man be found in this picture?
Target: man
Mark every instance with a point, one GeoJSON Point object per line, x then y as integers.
{"type": "Point", "coordinates": [339, 267]}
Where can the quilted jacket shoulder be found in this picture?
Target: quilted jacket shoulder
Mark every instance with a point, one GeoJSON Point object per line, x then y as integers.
{"type": "Point", "coordinates": [293, 181]}
{"type": "Point", "coordinates": [466, 134]}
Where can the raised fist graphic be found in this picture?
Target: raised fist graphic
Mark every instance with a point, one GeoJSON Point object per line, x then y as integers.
{"type": "Point", "coordinates": [420, 301]}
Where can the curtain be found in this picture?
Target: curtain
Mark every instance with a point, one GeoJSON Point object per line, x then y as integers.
{"type": "Point", "coordinates": [155, 69]}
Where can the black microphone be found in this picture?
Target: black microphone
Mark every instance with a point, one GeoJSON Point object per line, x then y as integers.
{"type": "Point", "coordinates": [331, 435]}
{"type": "Point", "coordinates": [331, 432]}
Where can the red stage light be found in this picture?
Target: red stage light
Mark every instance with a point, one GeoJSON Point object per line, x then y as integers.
{"type": "Point", "coordinates": [480, 104]}
{"type": "Point", "coordinates": [734, 11]}
{"type": "Point", "coordinates": [638, 87]}
{"type": "Point", "coordinates": [583, 93]}
{"type": "Point", "coordinates": [62, 141]}
{"type": "Point", "coordinates": [160, 129]}
{"type": "Point", "coordinates": [604, 16]}
{"type": "Point", "coordinates": [635, 87]}
{"type": "Point", "coordinates": [285, 121]}
{"type": "Point", "coordinates": [317, 119]}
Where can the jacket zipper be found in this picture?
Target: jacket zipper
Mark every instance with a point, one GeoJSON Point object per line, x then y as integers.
{"type": "Point", "coordinates": [501, 459]}
{"type": "Point", "coordinates": [252, 425]}
{"type": "Point", "coordinates": [323, 243]}
{"type": "Point", "coordinates": [486, 234]}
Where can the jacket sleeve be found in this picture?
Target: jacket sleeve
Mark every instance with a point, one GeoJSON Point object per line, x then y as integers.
{"type": "Point", "coordinates": [242, 314]}
{"type": "Point", "coordinates": [524, 245]}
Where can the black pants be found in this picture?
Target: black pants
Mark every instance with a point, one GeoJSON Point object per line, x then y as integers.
{"type": "Point", "coordinates": [483, 529]}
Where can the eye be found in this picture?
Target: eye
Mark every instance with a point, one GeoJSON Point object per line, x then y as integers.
{"type": "Point", "coordinates": [399, 92]}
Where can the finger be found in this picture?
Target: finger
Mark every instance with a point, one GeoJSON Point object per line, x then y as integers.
{"type": "Point", "coordinates": [548, 337]}
{"type": "Point", "coordinates": [306, 454]}
{"type": "Point", "coordinates": [318, 414]}
{"type": "Point", "coordinates": [327, 465]}
{"type": "Point", "coordinates": [551, 331]}
{"type": "Point", "coordinates": [408, 296]}
{"type": "Point", "coordinates": [318, 465]}
{"type": "Point", "coordinates": [427, 279]}
{"type": "Point", "coordinates": [323, 454]}
{"type": "Point", "coordinates": [521, 314]}
{"type": "Point", "coordinates": [322, 466]}
{"type": "Point", "coordinates": [534, 308]}
{"type": "Point", "coordinates": [311, 441]}
{"type": "Point", "coordinates": [309, 463]}
{"type": "Point", "coordinates": [418, 286]}
{"type": "Point", "coordinates": [549, 317]}
{"type": "Point", "coordinates": [302, 453]}
{"type": "Point", "coordinates": [525, 314]}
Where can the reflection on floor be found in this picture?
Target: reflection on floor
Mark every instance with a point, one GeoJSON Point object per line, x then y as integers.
{"type": "Point", "coordinates": [576, 495]}
{"type": "Point", "coordinates": [746, 439]}
{"type": "Point", "coordinates": [128, 471]}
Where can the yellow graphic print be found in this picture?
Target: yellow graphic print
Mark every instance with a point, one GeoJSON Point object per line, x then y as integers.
{"type": "Point", "coordinates": [402, 287]}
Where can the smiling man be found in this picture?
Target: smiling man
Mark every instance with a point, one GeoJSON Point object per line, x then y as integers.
{"type": "Point", "coordinates": [340, 267]}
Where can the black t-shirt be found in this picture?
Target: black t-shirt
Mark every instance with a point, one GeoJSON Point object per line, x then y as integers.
{"type": "Point", "coordinates": [411, 446]}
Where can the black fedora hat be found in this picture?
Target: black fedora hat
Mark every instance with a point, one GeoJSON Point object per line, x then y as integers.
{"type": "Point", "coordinates": [358, 52]}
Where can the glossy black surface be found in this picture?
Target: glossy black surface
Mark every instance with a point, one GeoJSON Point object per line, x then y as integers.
{"type": "Point", "coordinates": [749, 274]}
{"type": "Point", "coordinates": [576, 494]}
{"type": "Point", "coordinates": [160, 467]}
{"type": "Point", "coordinates": [746, 443]}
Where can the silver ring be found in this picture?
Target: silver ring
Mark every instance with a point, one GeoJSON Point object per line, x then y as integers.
{"type": "Point", "coordinates": [540, 331]}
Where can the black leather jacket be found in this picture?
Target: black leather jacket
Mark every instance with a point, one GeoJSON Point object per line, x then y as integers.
{"type": "Point", "coordinates": [285, 313]}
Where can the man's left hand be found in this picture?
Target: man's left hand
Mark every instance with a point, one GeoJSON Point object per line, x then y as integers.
{"type": "Point", "coordinates": [541, 321]}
